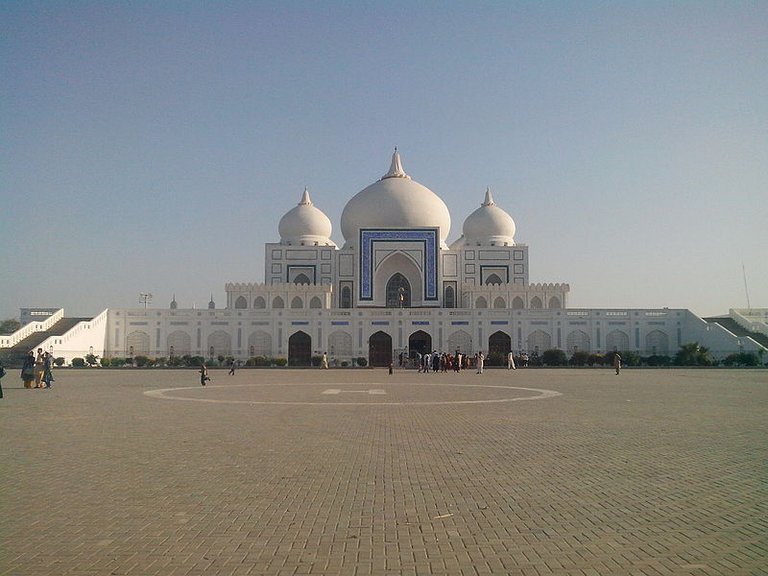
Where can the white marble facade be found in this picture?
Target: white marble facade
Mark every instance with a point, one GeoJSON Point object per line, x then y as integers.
{"type": "Point", "coordinates": [394, 286]}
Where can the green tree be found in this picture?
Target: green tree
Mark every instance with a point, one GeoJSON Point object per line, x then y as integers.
{"type": "Point", "coordinates": [579, 358]}
{"type": "Point", "coordinates": [9, 326]}
{"type": "Point", "coordinates": [554, 357]}
{"type": "Point", "coordinates": [692, 354]}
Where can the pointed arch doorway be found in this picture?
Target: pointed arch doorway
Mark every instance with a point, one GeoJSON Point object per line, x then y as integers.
{"type": "Point", "coordinates": [398, 292]}
{"type": "Point", "coordinates": [299, 349]}
{"type": "Point", "coordinates": [380, 349]}
{"type": "Point", "coordinates": [420, 342]}
{"type": "Point", "coordinates": [500, 343]}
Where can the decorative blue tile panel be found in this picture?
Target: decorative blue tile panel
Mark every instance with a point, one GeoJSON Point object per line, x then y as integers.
{"type": "Point", "coordinates": [427, 237]}
{"type": "Point", "coordinates": [499, 322]}
{"type": "Point", "coordinates": [338, 323]}
{"type": "Point", "coordinates": [459, 323]}
{"type": "Point", "coordinates": [299, 323]}
{"type": "Point", "coordinates": [380, 323]}
{"type": "Point", "coordinates": [420, 323]}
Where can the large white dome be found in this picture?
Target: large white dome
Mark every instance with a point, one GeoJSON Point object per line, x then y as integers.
{"type": "Point", "coordinates": [488, 225]}
{"type": "Point", "coordinates": [305, 225]}
{"type": "Point", "coordinates": [395, 201]}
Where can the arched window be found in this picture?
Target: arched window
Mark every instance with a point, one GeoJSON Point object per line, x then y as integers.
{"type": "Point", "coordinates": [315, 303]}
{"type": "Point", "coordinates": [259, 303]}
{"type": "Point", "coordinates": [657, 342]}
{"type": "Point", "coordinates": [499, 303]}
{"type": "Point", "coordinates": [345, 301]}
{"type": "Point", "coordinates": [481, 303]}
{"type": "Point", "coordinates": [241, 302]}
{"type": "Point", "coordinates": [539, 341]}
{"type": "Point", "coordinates": [398, 292]}
{"type": "Point", "coordinates": [517, 303]}
{"type": "Point", "coordinates": [577, 341]}
{"type": "Point", "coordinates": [493, 279]}
{"type": "Point", "coordinates": [554, 302]}
{"type": "Point", "coordinates": [278, 302]}
{"type": "Point", "coordinates": [449, 301]}
{"type": "Point", "coordinates": [536, 303]}
{"type": "Point", "coordinates": [301, 279]}
{"type": "Point", "coordinates": [297, 302]}
{"type": "Point", "coordinates": [617, 341]}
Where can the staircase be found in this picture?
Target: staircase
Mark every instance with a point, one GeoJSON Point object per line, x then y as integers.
{"type": "Point", "coordinates": [735, 328]}
{"type": "Point", "coordinates": [15, 355]}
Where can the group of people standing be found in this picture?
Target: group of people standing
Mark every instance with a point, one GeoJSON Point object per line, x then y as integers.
{"type": "Point", "coordinates": [37, 369]}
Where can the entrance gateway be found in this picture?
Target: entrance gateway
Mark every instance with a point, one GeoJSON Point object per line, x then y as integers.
{"type": "Point", "coordinates": [380, 349]}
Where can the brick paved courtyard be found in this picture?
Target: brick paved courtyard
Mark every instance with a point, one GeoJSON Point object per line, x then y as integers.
{"type": "Point", "coordinates": [140, 472]}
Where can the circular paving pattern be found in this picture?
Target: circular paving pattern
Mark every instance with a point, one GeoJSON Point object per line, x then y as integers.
{"type": "Point", "coordinates": [346, 394]}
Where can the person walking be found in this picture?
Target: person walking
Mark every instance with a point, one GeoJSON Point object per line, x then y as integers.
{"type": "Point", "coordinates": [28, 370]}
{"type": "Point", "coordinates": [204, 374]}
{"type": "Point", "coordinates": [2, 373]}
{"type": "Point", "coordinates": [38, 369]}
{"type": "Point", "coordinates": [511, 361]}
{"type": "Point", "coordinates": [324, 361]}
{"type": "Point", "coordinates": [47, 370]}
{"type": "Point", "coordinates": [232, 366]}
{"type": "Point", "coordinates": [617, 362]}
{"type": "Point", "coordinates": [480, 362]}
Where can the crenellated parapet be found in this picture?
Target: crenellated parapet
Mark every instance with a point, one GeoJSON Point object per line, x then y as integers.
{"type": "Point", "coordinates": [275, 296]}
{"type": "Point", "coordinates": [515, 296]}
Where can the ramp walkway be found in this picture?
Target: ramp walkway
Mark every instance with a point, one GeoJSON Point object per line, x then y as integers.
{"type": "Point", "coordinates": [735, 328]}
{"type": "Point", "coordinates": [15, 355]}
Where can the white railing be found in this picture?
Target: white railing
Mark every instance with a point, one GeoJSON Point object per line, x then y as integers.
{"type": "Point", "coordinates": [755, 320]}
{"type": "Point", "coordinates": [29, 329]}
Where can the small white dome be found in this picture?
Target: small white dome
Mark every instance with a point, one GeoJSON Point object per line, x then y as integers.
{"type": "Point", "coordinates": [394, 201]}
{"type": "Point", "coordinates": [488, 225]}
{"type": "Point", "coordinates": [305, 225]}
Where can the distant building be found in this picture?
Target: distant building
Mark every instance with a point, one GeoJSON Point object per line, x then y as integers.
{"type": "Point", "coordinates": [36, 314]}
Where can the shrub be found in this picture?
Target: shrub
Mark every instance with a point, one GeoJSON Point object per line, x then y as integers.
{"type": "Point", "coordinates": [280, 361]}
{"type": "Point", "coordinates": [91, 359]}
{"type": "Point", "coordinates": [579, 358]}
{"type": "Point", "coordinates": [317, 360]}
{"type": "Point", "coordinates": [362, 361]}
{"type": "Point", "coordinates": [595, 359]}
{"type": "Point", "coordinates": [344, 363]}
{"type": "Point", "coordinates": [496, 359]}
{"type": "Point", "coordinates": [657, 360]}
{"type": "Point", "coordinates": [58, 361]}
{"type": "Point", "coordinates": [141, 361]}
{"type": "Point", "coordinates": [175, 361]}
{"type": "Point", "coordinates": [258, 361]}
{"type": "Point", "coordinates": [104, 362]}
{"type": "Point", "coordinates": [160, 362]}
{"type": "Point", "coordinates": [117, 362]}
{"type": "Point", "coordinates": [194, 361]}
{"type": "Point", "coordinates": [78, 362]}
{"type": "Point", "coordinates": [741, 359]}
{"type": "Point", "coordinates": [554, 357]}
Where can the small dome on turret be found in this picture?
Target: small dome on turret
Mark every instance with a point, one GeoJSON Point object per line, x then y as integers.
{"type": "Point", "coordinates": [174, 305]}
{"type": "Point", "coordinates": [489, 225]}
{"type": "Point", "coordinates": [305, 224]}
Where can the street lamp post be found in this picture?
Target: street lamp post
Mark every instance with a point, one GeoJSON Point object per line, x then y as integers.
{"type": "Point", "coordinates": [145, 298]}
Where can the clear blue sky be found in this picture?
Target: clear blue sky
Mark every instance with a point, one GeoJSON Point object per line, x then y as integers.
{"type": "Point", "coordinates": [154, 146]}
